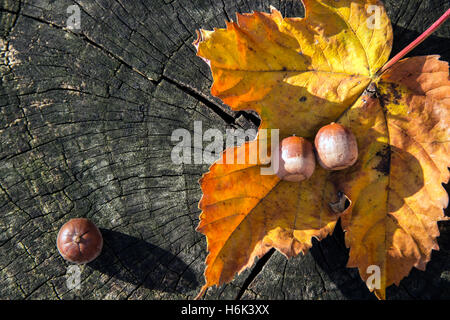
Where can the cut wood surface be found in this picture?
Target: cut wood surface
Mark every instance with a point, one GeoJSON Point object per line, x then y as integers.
{"type": "Point", "coordinates": [86, 118]}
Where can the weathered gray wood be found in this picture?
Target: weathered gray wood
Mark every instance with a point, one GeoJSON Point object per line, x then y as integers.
{"type": "Point", "coordinates": [85, 124]}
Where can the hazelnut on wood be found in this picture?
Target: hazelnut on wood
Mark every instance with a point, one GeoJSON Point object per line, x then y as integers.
{"type": "Point", "coordinates": [79, 241]}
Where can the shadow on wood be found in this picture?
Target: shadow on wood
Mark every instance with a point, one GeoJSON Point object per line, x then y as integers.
{"type": "Point", "coordinates": [431, 45]}
{"type": "Point", "coordinates": [433, 283]}
{"type": "Point", "coordinates": [143, 264]}
{"type": "Point", "coordinates": [332, 256]}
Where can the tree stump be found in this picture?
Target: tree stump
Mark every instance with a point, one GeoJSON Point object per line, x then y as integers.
{"type": "Point", "coordinates": [86, 120]}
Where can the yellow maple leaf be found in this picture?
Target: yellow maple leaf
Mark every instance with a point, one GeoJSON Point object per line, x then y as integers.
{"type": "Point", "coordinates": [244, 214]}
{"type": "Point", "coordinates": [302, 73]}
{"type": "Point", "coordinates": [395, 187]}
{"type": "Point", "coordinates": [297, 73]}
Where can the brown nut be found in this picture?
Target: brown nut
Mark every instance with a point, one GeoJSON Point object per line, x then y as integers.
{"type": "Point", "coordinates": [336, 147]}
{"type": "Point", "coordinates": [296, 159]}
{"type": "Point", "coordinates": [79, 241]}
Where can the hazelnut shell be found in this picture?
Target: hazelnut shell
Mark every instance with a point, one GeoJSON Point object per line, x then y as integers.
{"type": "Point", "coordinates": [79, 241]}
{"type": "Point", "coordinates": [296, 159]}
{"type": "Point", "coordinates": [336, 147]}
